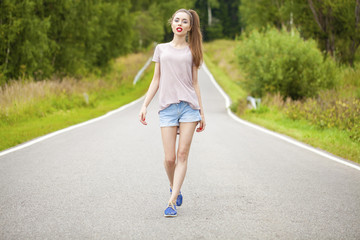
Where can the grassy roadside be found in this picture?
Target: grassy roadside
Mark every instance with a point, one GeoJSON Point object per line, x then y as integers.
{"type": "Point", "coordinates": [226, 73]}
{"type": "Point", "coordinates": [39, 115]}
{"type": "Point", "coordinates": [221, 60]}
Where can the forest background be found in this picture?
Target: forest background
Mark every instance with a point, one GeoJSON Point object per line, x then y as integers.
{"type": "Point", "coordinates": [61, 57]}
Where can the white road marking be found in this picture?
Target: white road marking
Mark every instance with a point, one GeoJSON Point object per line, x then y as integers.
{"type": "Point", "coordinates": [40, 139]}
{"type": "Point", "coordinates": [227, 105]}
{"type": "Point", "coordinates": [299, 144]}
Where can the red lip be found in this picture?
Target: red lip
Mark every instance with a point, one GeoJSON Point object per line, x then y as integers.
{"type": "Point", "coordinates": [179, 29]}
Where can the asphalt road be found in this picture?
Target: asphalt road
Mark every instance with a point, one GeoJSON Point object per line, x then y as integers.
{"type": "Point", "coordinates": [106, 180]}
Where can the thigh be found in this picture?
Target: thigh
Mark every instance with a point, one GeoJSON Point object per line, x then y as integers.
{"type": "Point", "coordinates": [168, 135]}
{"type": "Point", "coordinates": [187, 130]}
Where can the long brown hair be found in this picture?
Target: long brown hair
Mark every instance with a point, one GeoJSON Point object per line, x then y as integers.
{"type": "Point", "coordinates": [195, 36]}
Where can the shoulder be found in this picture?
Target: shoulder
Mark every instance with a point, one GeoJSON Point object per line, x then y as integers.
{"type": "Point", "coordinates": [162, 48]}
{"type": "Point", "coordinates": [162, 45]}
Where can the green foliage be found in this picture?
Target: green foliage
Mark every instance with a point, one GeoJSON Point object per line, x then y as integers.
{"type": "Point", "coordinates": [24, 48]}
{"type": "Point", "coordinates": [31, 109]}
{"type": "Point", "coordinates": [43, 37]}
{"type": "Point", "coordinates": [260, 110]}
{"type": "Point", "coordinates": [215, 31]}
{"type": "Point", "coordinates": [89, 33]}
{"type": "Point", "coordinates": [329, 110]}
{"type": "Point", "coordinates": [338, 108]}
{"type": "Point", "coordinates": [20, 101]}
{"type": "Point", "coordinates": [334, 24]}
{"type": "Point", "coordinates": [219, 18]}
{"type": "Point", "coordinates": [229, 16]}
{"type": "Point", "coordinates": [272, 112]}
{"type": "Point", "coordinates": [145, 33]}
{"type": "Point", "coordinates": [257, 14]}
{"type": "Point", "coordinates": [220, 58]}
{"type": "Point", "coordinates": [277, 61]}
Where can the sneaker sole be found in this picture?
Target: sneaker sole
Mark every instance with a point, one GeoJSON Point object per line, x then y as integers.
{"type": "Point", "coordinates": [170, 215]}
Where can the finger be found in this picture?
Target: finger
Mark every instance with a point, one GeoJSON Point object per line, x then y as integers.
{"type": "Point", "coordinates": [200, 128]}
{"type": "Point", "coordinates": [142, 119]}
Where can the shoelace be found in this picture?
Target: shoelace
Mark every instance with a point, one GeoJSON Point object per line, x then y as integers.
{"type": "Point", "coordinates": [172, 206]}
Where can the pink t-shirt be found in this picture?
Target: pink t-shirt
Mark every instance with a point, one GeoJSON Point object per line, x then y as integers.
{"type": "Point", "coordinates": [175, 76]}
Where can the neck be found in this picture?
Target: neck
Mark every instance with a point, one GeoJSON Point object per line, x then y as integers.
{"type": "Point", "coordinates": [179, 41]}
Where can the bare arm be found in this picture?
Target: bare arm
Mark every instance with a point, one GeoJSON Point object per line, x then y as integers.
{"type": "Point", "coordinates": [197, 91]}
{"type": "Point", "coordinates": [154, 86]}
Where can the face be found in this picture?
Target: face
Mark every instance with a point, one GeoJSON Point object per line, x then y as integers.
{"type": "Point", "coordinates": [181, 23]}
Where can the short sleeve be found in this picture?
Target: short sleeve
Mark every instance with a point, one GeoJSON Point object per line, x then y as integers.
{"type": "Point", "coordinates": [156, 57]}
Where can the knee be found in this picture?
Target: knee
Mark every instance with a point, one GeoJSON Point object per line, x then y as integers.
{"type": "Point", "coordinates": [182, 155]}
{"type": "Point", "coordinates": [170, 160]}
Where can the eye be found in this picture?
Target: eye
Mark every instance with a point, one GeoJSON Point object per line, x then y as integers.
{"type": "Point", "coordinates": [176, 20]}
{"type": "Point", "coordinates": [185, 22]}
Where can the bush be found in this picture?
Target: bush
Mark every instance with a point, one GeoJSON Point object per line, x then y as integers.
{"type": "Point", "coordinates": [275, 62]}
{"type": "Point", "coordinates": [327, 111]}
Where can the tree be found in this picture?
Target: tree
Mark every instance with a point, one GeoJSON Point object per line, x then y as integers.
{"type": "Point", "coordinates": [230, 17]}
{"type": "Point", "coordinates": [260, 13]}
{"type": "Point", "coordinates": [43, 37]}
{"type": "Point", "coordinates": [333, 23]}
{"type": "Point", "coordinates": [25, 45]}
{"type": "Point", "coordinates": [220, 18]}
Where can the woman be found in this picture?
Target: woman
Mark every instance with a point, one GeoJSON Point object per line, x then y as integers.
{"type": "Point", "coordinates": [176, 77]}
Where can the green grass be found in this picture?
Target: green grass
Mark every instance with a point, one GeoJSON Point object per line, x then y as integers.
{"type": "Point", "coordinates": [22, 129]}
{"type": "Point", "coordinates": [233, 89]}
{"type": "Point", "coordinates": [329, 139]}
{"type": "Point", "coordinates": [333, 140]}
{"type": "Point", "coordinates": [217, 56]}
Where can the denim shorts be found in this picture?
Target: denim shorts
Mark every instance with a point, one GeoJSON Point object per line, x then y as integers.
{"type": "Point", "coordinates": [176, 113]}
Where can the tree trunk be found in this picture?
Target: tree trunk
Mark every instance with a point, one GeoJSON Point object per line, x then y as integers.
{"type": "Point", "coordinates": [355, 40]}
{"type": "Point", "coordinates": [8, 49]}
{"type": "Point", "coordinates": [209, 14]}
{"type": "Point", "coordinates": [317, 19]}
{"type": "Point", "coordinates": [330, 31]}
{"type": "Point", "coordinates": [324, 21]}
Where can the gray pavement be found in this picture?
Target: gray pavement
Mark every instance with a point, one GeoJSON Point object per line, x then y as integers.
{"type": "Point", "coordinates": [106, 180]}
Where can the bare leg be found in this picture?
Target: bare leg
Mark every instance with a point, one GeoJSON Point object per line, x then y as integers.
{"type": "Point", "coordinates": [168, 135]}
{"type": "Point", "coordinates": [186, 135]}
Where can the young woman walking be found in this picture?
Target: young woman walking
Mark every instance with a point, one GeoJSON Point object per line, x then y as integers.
{"type": "Point", "coordinates": [176, 77]}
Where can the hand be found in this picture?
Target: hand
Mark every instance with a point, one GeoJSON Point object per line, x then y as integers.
{"type": "Point", "coordinates": [142, 115]}
{"type": "Point", "coordinates": [202, 124]}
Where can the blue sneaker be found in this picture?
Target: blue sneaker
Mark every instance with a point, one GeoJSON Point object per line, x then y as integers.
{"type": "Point", "coordinates": [170, 211]}
{"type": "Point", "coordinates": [179, 198]}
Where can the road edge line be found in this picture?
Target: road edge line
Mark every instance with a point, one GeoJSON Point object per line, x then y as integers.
{"type": "Point", "coordinates": [49, 135]}
{"type": "Point", "coordinates": [287, 139]}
